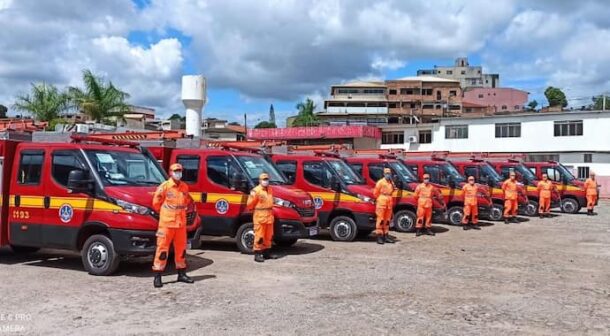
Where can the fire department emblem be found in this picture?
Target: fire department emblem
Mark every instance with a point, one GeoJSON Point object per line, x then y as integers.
{"type": "Point", "coordinates": [222, 206]}
{"type": "Point", "coordinates": [66, 213]}
{"type": "Point", "coordinates": [318, 202]}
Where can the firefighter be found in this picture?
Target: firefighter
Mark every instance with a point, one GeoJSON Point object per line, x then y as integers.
{"type": "Point", "coordinates": [471, 207]}
{"type": "Point", "coordinates": [171, 201]}
{"type": "Point", "coordinates": [510, 198]}
{"type": "Point", "coordinates": [591, 193]}
{"type": "Point", "coordinates": [384, 204]}
{"type": "Point", "coordinates": [423, 195]}
{"type": "Point", "coordinates": [261, 202]}
{"type": "Point", "coordinates": [545, 187]}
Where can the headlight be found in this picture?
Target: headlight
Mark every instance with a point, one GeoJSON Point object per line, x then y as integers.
{"type": "Point", "coordinates": [133, 208]}
{"type": "Point", "coordinates": [282, 202]}
{"type": "Point", "coordinates": [365, 198]}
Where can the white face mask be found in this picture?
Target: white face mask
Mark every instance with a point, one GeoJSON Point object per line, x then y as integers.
{"type": "Point", "coordinates": [177, 175]}
{"type": "Point", "coordinates": [265, 183]}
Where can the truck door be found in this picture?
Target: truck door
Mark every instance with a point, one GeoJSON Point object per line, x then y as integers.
{"type": "Point", "coordinates": [317, 177]}
{"type": "Point", "coordinates": [27, 201]}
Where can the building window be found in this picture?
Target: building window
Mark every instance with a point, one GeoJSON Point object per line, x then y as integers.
{"type": "Point", "coordinates": [463, 72]}
{"type": "Point", "coordinates": [508, 130]}
{"type": "Point", "coordinates": [406, 92]}
{"type": "Point", "coordinates": [449, 72]}
{"type": "Point", "coordinates": [568, 128]}
{"type": "Point", "coordinates": [393, 138]}
{"type": "Point", "coordinates": [438, 95]}
{"type": "Point", "coordinates": [392, 92]}
{"type": "Point", "coordinates": [438, 107]}
{"type": "Point", "coordinates": [504, 107]}
{"type": "Point", "coordinates": [392, 105]}
{"type": "Point", "coordinates": [425, 136]}
{"type": "Point", "coordinates": [588, 158]}
{"type": "Point", "coordinates": [426, 92]}
{"type": "Point", "coordinates": [542, 157]}
{"type": "Point", "coordinates": [456, 132]}
{"type": "Point", "coordinates": [583, 172]}
{"type": "Point", "coordinates": [481, 95]}
{"type": "Point", "coordinates": [452, 93]}
{"type": "Point", "coordinates": [516, 107]}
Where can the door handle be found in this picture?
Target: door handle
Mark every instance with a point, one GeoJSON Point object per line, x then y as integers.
{"type": "Point", "coordinates": [47, 202]}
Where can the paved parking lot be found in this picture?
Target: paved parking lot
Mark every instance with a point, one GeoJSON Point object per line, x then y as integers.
{"type": "Point", "coordinates": [543, 277]}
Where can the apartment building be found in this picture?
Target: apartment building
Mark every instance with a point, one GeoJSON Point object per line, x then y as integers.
{"type": "Point", "coordinates": [468, 76]}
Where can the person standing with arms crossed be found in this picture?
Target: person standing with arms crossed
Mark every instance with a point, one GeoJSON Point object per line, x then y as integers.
{"type": "Point", "coordinates": [384, 202]}
{"type": "Point", "coordinates": [261, 202]}
{"type": "Point", "coordinates": [471, 205]}
{"type": "Point", "coordinates": [171, 201]}
{"type": "Point", "coordinates": [510, 198]}
{"type": "Point", "coordinates": [591, 193]}
{"type": "Point", "coordinates": [545, 187]}
{"type": "Point", "coordinates": [423, 195]}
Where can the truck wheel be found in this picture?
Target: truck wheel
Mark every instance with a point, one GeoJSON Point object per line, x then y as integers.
{"type": "Point", "coordinates": [404, 221]}
{"type": "Point", "coordinates": [455, 215]}
{"type": "Point", "coordinates": [286, 242]}
{"type": "Point", "coordinates": [570, 205]}
{"type": "Point", "coordinates": [245, 238]}
{"type": "Point", "coordinates": [99, 256]}
{"type": "Point", "coordinates": [24, 249]}
{"type": "Point", "coordinates": [343, 228]}
{"type": "Point", "coordinates": [496, 213]}
{"type": "Point", "coordinates": [531, 209]}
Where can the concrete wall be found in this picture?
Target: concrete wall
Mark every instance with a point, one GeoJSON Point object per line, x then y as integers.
{"type": "Point", "coordinates": [497, 98]}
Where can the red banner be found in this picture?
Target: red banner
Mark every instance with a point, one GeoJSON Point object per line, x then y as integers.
{"type": "Point", "coordinates": [323, 132]}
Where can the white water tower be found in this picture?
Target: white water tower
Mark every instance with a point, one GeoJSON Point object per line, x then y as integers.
{"type": "Point", "coordinates": [193, 98]}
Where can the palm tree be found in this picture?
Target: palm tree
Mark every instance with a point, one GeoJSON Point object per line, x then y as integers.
{"type": "Point", "coordinates": [100, 100]}
{"type": "Point", "coordinates": [306, 116]}
{"type": "Point", "coordinates": [45, 102]}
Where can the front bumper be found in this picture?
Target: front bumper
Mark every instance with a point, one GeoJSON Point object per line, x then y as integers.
{"type": "Point", "coordinates": [286, 229]}
{"type": "Point", "coordinates": [134, 242]}
{"type": "Point", "coordinates": [364, 221]}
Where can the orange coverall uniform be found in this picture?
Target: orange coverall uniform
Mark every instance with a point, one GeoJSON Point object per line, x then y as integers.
{"type": "Point", "coordinates": [510, 198]}
{"type": "Point", "coordinates": [423, 195]}
{"type": "Point", "coordinates": [471, 205]}
{"type": "Point", "coordinates": [171, 201]}
{"type": "Point", "coordinates": [261, 201]}
{"type": "Point", "coordinates": [544, 189]}
{"type": "Point", "coordinates": [384, 204]}
{"type": "Point", "coordinates": [591, 193]}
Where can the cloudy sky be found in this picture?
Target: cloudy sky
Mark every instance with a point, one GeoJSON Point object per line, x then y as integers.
{"type": "Point", "coordinates": [255, 53]}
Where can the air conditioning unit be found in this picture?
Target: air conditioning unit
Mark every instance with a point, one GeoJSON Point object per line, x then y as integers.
{"type": "Point", "coordinates": [412, 139]}
{"type": "Point", "coordinates": [82, 128]}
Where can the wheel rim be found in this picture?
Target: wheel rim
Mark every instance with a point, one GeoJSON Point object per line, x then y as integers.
{"type": "Point", "coordinates": [405, 222]}
{"type": "Point", "coordinates": [98, 255]}
{"type": "Point", "coordinates": [496, 213]}
{"type": "Point", "coordinates": [343, 229]}
{"type": "Point", "coordinates": [568, 206]}
{"type": "Point", "coordinates": [455, 217]}
{"type": "Point", "coordinates": [247, 239]}
{"type": "Point", "coordinates": [531, 209]}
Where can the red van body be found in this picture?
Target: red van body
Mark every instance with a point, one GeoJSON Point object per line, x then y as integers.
{"type": "Point", "coordinates": [571, 190]}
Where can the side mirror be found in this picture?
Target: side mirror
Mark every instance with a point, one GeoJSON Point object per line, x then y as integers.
{"type": "Point", "coordinates": [78, 181]}
{"type": "Point", "coordinates": [398, 183]}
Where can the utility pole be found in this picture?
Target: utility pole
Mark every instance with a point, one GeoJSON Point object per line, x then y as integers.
{"type": "Point", "coordinates": [245, 126]}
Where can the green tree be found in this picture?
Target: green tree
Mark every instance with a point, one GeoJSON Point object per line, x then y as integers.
{"type": "Point", "coordinates": [532, 105]}
{"type": "Point", "coordinates": [3, 110]}
{"type": "Point", "coordinates": [265, 124]}
{"type": "Point", "coordinates": [100, 100]}
{"type": "Point", "coordinates": [555, 96]}
{"type": "Point", "coordinates": [45, 102]}
{"type": "Point", "coordinates": [306, 116]}
{"type": "Point", "coordinates": [598, 103]}
{"type": "Point", "coordinates": [176, 116]}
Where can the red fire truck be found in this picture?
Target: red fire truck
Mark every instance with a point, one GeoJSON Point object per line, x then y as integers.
{"type": "Point", "coordinates": [91, 195]}
{"type": "Point", "coordinates": [370, 168]}
{"type": "Point", "coordinates": [220, 181]}
{"type": "Point", "coordinates": [571, 190]}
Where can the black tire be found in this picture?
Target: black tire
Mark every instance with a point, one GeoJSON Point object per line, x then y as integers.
{"type": "Point", "coordinates": [570, 205]}
{"type": "Point", "coordinates": [404, 221]}
{"type": "Point", "coordinates": [496, 213]}
{"type": "Point", "coordinates": [343, 228]}
{"type": "Point", "coordinates": [99, 256]}
{"type": "Point", "coordinates": [531, 209]}
{"type": "Point", "coordinates": [286, 242]}
{"type": "Point", "coordinates": [455, 215]}
{"type": "Point", "coordinates": [245, 238]}
{"type": "Point", "coordinates": [24, 249]}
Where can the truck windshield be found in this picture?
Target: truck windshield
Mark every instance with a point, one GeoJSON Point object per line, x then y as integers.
{"type": "Point", "coordinates": [528, 176]}
{"type": "Point", "coordinates": [255, 165]}
{"type": "Point", "coordinates": [403, 172]}
{"type": "Point", "coordinates": [443, 173]}
{"type": "Point", "coordinates": [125, 168]}
{"type": "Point", "coordinates": [565, 173]}
{"type": "Point", "coordinates": [487, 171]}
{"type": "Point", "coordinates": [345, 173]}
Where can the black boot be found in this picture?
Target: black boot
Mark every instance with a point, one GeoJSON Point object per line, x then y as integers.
{"type": "Point", "coordinates": [388, 239]}
{"type": "Point", "coordinates": [429, 232]}
{"type": "Point", "coordinates": [506, 220]}
{"type": "Point", "coordinates": [465, 227]}
{"type": "Point", "coordinates": [157, 281]}
{"type": "Point", "coordinates": [267, 254]}
{"type": "Point", "coordinates": [515, 220]}
{"type": "Point", "coordinates": [476, 227]}
{"type": "Point", "coordinates": [182, 277]}
{"type": "Point", "coordinates": [589, 212]}
{"type": "Point", "coordinates": [258, 257]}
{"type": "Point", "coordinates": [541, 215]}
{"type": "Point", "coordinates": [418, 232]}
{"type": "Point", "coordinates": [380, 239]}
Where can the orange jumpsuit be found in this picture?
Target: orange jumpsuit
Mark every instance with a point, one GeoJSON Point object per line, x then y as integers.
{"type": "Point", "coordinates": [544, 189]}
{"type": "Point", "coordinates": [423, 195]}
{"type": "Point", "coordinates": [591, 193]}
{"type": "Point", "coordinates": [171, 201]}
{"type": "Point", "coordinates": [384, 204]}
{"type": "Point", "coordinates": [261, 201]}
{"type": "Point", "coordinates": [510, 198]}
{"type": "Point", "coordinates": [471, 206]}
